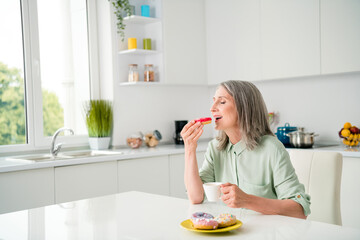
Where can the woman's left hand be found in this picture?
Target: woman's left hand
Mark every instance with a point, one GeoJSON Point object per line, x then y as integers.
{"type": "Point", "coordinates": [233, 196]}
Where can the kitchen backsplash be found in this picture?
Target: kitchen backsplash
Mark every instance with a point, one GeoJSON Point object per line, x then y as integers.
{"type": "Point", "coordinates": [321, 104]}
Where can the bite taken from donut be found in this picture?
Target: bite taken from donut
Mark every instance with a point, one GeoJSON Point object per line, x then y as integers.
{"type": "Point", "coordinates": [204, 120]}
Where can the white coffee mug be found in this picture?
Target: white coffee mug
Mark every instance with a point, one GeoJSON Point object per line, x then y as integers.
{"type": "Point", "coordinates": [212, 191]}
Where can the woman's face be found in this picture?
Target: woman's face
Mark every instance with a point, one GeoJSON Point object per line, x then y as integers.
{"type": "Point", "coordinates": [224, 111]}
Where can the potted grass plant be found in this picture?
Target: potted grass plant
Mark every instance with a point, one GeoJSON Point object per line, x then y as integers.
{"type": "Point", "coordinates": [99, 122]}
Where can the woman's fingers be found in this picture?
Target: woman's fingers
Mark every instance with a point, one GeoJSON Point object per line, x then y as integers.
{"type": "Point", "coordinates": [198, 134]}
{"type": "Point", "coordinates": [226, 188]}
{"type": "Point", "coordinates": [186, 127]}
{"type": "Point", "coordinates": [190, 130]}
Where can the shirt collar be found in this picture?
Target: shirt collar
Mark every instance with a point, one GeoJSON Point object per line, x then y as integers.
{"type": "Point", "coordinates": [237, 148]}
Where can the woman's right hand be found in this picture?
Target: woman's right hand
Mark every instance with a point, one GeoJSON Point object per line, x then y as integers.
{"type": "Point", "coordinates": [191, 133]}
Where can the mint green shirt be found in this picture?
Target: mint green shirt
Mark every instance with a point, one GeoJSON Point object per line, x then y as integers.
{"type": "Point", "coordinates": [265, 171]}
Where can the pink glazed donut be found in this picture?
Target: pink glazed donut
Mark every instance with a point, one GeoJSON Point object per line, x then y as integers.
{"type": "Point", "coordinates": [203, 220]}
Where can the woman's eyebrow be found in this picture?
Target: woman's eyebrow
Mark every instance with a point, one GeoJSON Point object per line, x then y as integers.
{"type": "Point", "coordinates": [221, 97]}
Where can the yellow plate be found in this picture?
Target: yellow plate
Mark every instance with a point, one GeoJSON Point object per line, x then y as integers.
{"type": "Point", "coordinates": [187, 224]}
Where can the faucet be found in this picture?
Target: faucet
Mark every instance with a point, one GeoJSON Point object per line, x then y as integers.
{"type": "Point", "coordinates": [54, 150]}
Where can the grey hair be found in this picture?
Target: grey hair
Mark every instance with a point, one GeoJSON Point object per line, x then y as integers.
{"type": "Point", "coordinates": [252, 113]}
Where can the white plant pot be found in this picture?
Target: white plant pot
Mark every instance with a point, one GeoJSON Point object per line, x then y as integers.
{"type": "Point", "coordinates": [99, 143]}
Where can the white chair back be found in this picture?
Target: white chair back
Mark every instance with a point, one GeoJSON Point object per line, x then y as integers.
{"type": "Point", "coordinates": [320, 172]}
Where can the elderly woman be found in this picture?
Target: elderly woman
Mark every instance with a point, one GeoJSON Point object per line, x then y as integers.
{"type": "Point", "coordinates": [253, 165]}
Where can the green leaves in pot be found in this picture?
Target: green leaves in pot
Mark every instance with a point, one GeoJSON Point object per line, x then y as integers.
{"type": "Point", "coordinates": [99, 118]}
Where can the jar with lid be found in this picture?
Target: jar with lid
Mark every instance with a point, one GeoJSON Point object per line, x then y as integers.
{"type": "Point", "coordinates": [133, 73]}
{"type": "Point", "coordinates": [149, 73]}
{"type": "Point", "coordinates": [152, 138]}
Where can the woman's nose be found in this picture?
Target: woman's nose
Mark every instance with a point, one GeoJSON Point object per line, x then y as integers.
{"type": "Point", "coordinates": [213, 108]}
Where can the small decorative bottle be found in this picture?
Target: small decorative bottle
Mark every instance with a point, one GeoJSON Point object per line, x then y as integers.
{"type": "Point", "coordinates": [133, 73]}
{"type": "Point", "coordinates": [149, 73]}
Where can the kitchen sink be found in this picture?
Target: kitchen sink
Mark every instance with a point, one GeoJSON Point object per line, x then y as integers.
{"type": "Point", "coordinates": [89, 153]}
{"type": "Point", "coordinates": [60, 156]}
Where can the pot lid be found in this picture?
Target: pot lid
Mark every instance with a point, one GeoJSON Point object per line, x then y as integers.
{"type": "Point", "coordinates": [287, 127]}
{"type": "Point", "coordinates": [301, 132]}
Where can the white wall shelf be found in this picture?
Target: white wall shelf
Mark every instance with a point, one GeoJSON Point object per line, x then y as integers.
{"type": "Point", "coordinates": [140, 27]}
{"type": "Point", "coordinates": [140, 20]}
{"type": "Point", "coordinates": [139, 83]}
{"type": "Point", "coordinates": [160, 84]}
{"type": "Point", "coordinates": [138, 52]}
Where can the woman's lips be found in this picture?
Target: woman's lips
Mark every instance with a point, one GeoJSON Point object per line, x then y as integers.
{"type": "Point", "coordinates": [217, 118]}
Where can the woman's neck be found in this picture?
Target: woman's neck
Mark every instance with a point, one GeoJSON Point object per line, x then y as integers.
{"type": "Point", "coordinates": [234, 135]}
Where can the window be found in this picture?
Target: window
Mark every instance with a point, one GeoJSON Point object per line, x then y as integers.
{"type": "Point", "coordinates": [44, 71]}
{"type": "Point", "coordinates": [64, 64]}
{"type": "Point", "coordinates": [12, 98]}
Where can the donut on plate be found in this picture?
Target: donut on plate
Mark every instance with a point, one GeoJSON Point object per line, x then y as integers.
{"type": "Point", "coordinates": [202, 220]}
{"type": "Point", "coordinates": [225, 220]}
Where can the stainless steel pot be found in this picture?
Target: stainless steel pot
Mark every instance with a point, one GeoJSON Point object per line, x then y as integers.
{"type": "Point", "coordinates": [301, 139]}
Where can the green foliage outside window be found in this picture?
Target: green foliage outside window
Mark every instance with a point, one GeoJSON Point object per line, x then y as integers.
{"type": "Point", "coordinates": [12, 111]}
{"type": "Point", "coordinates": [53, 113]}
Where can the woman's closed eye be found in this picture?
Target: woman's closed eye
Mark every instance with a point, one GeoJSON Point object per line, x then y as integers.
{"type": "Point", "coordinates": [222, 102]}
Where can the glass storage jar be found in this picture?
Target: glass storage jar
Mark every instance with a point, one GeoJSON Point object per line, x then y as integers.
{"type": "Point", "coordinates": [135, 140]}
{"type": "Point", "coordinates": [133, 73]}
{"type": "Point", "coordinates": [149, 73]}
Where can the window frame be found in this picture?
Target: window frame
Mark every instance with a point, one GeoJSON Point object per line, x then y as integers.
{"type": "Point", "coordinates": [32, 80]}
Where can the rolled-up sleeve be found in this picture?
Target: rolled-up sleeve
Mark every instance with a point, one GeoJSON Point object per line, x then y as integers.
{"type": "Point", "coordinates": [286, 182]}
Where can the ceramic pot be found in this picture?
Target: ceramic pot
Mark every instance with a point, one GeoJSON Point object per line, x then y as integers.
{"type": "Point", "coordinates": [99, 143]}
{"type": "Point", "coordinates": [282, 133]}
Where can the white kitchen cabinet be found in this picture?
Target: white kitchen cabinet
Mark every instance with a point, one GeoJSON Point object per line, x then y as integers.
{"type": "Point", "coordinates": [149, 175]}
{"type": "Point", "coordinates": [350, 194]}
{"type": "Point", "coordinates": [177, 167]}
{"type": "Point", "coordinates": [290, 38]}
{"type": "Point", "coordinates": [340, 36]}
{"type": "Point", "coordinates": [26, 189]}
{"type": "Point", "coordinates": [184, 42]}
{"type": "Point", "coordinates": [85, 181]}
{"type": "Point", "coordinates": [233, 40]}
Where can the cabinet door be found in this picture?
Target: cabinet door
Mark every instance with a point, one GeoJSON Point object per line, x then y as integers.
{"type": "Point", "coordinates": [177, 168]}
{"type": "Point", "coordinates": [290, 39]}
{"type": "Point", "coordinates": [340, 36]}
{"type": "Point", "coordinates": [350, 195]}
{"type": "Point", "coordinates": [233, 40]}
{"type": "Point", "coordinates": [184, 41]}
{"type": "Point", "coordinates": [85, 181]}
{"type": "Point", "coordinates": [144, 174]}
{"type": "Point", "coordinates": [26, 189]}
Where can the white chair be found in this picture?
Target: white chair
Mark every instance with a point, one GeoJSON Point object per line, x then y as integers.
{"type": "Point", "coordinates": [320, 172]}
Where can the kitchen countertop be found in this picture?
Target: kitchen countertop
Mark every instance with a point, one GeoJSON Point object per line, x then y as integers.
{"type": "Point", "coordinates": [125, 153]}
{"type": "Point", "coordinates": [138, 215]}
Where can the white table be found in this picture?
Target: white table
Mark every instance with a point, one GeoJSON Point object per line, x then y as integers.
{"type": "Point", "coordinates": [136, 215]}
